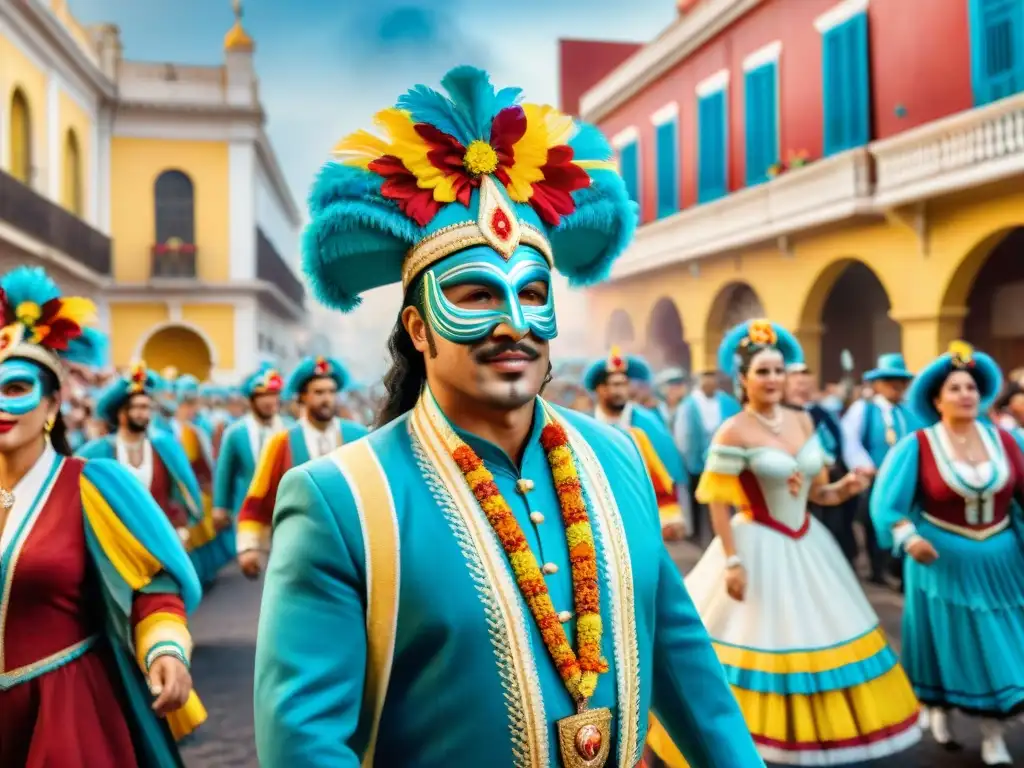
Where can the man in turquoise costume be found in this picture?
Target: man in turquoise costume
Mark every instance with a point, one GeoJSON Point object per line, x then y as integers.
{"type": "Point", "coordinates": [154, 457]}
{"type": "Point", "coordinates": [513, 616]}
{"type": "Point", "coordinates": [870, 428]}
{"type": "Point", "coordinates": [314, 385]}
{"type": "Point", "coordinates": [611, 379]}
{"type": "Point", "coordinates": [697, 419]}
{"type": "Point", "coordinates": [243, 442]}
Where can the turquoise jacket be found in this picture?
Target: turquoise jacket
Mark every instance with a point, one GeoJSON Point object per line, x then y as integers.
{"type": "Point", "coordinates": [697, 438]}
{"type": "Point", "coordinates": [236, 464]}
{"type": "Point", "coordinates": [470, 681]}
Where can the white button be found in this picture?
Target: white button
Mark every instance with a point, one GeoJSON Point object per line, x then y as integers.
{"type": "Point", "coordinates": [564, 616]}
{"type": "Point", "coordinates": [550, 568]}
{"type": "Point", "coordinates": [537, 517]}
{"type": "Point", "coordinates": [523, 485]}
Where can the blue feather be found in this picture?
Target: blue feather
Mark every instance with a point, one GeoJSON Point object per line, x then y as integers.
{"type": "Point", "coordinates": [589, 144]}
{"type": "Point", "coordinates": [28, 284]}
{"type": "Point", "coordinates": [90, 349]}
{"type": "Point", "coordinates": [426, 105]}
{"type": "Point", "coordinates": [506, 98]}
{"type": "Point", "coordinates": [474, 97]}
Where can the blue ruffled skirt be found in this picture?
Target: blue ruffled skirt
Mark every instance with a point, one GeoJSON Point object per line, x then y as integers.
{"type": "Point", "coordinates": [963, 624]}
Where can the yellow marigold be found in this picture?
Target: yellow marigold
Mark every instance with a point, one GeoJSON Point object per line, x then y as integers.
{"type": "Point", "coordinates": [961, 352]}
{"type": "Point", "coordinates": [761, 332]}
{"type": "Point", "coordinates": [480, 158]}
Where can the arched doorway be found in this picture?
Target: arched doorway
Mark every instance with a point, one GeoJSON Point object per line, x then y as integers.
{"type": "Point", "coordinates": [734, 303]}
{"type": "Point", "coordinates": [995, 303]}
{"type": "Point", "coordinates": [20, 161]}
{"type": "Point", "coordinates": [71, 192]}
{"type": "Point", "coordinates": [179, 347]}
{"type": "Point", "coordinates": [666, 342]}
{"type": "Point", "coordinates": [620, 330]}
{"type": "Point", "coordinates": [855, 316]}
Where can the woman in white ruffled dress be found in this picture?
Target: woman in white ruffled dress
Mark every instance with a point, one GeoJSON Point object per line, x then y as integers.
{"type": "Point", "coordinates": [800, 644]}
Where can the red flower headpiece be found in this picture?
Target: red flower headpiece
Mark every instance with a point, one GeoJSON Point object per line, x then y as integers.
{"type": "Point", "coordinates": [137, 377]}
{"type": "Point", "coordinates": [322, 367]}
{"type": "Point", "coordinates": [271, 381]}
{"type": "Point", "coordinates": [616, 362]}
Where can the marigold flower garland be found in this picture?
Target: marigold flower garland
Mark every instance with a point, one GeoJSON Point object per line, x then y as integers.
{"type": "Point", "coordinates": [579, 669]}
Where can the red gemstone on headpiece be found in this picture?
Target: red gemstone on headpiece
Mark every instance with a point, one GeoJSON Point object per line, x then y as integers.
{"type": "Point", "coordinates": [616, 363]}
{"type": "Point", "coordinates": [500, 224]}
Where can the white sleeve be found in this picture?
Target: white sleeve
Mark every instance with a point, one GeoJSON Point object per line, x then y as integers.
{"type": "Point", "coordinates": [854, 454]}
{"type": "Point", "coordinates": [679, 427]}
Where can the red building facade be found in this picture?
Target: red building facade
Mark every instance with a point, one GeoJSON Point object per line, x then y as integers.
{"type": "Point", "coordinates": [752, 131]}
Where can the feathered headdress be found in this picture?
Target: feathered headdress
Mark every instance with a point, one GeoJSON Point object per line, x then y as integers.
{"type": "Point", "coordinates": [635, 368]}
{"type": "Point", "coordinates": [38, 324]}
{"type": "Point", "coordinates": [474, 167]}
{"type": "Point", "coordinates": [761, 333]}
{"type": "Point", "coordinates": [316, 367]}
{"type": "Point", "coordinates": [136, 380]}
{"type": "Point", "coordinates": [266, 380]}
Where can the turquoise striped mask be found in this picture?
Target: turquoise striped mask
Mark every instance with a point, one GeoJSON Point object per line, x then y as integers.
{"type": "Point", "coordinates": [20, 372]}
{"type": "Point", "coordinates": [505, 282]}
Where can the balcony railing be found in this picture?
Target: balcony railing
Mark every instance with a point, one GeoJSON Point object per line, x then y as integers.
{"type": "Point", "coordinates": [173, 264]}
{"type": "Point", "coordinates": [824, 191]}
{"type": "Point", "coordinates": [964, 150]}
{"type": "Point", "coordinates": [273, 269]}
{"type": "Point", "coordinates": [44, 220]}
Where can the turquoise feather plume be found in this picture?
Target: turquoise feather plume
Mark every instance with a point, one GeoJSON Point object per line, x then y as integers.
{"type": "Point", "coordinates": [28, 284]}
{"type": "Point", "coordinates": [91, 349]}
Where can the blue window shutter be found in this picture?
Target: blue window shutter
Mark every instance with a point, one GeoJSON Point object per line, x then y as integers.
{"type": "Point", "coordinates": [629, 167]}
{"type": "Point", "coordinates": [997, 49]}
{"type": "Point", "coordinates": [761, 121]}
{"type": "Point", "coordinates": [712, 142]}
{"type": "Point", "coordinates": [846, 80]}
{"type": "Point", "coordinates": [667, 148]}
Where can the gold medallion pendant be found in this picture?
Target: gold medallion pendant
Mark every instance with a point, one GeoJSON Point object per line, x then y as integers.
{"type": "Point", "coordinates": [890, 436]}
{"type": "Point", "coordinates": [584, 739]}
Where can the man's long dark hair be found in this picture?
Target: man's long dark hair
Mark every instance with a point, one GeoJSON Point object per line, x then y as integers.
{"type": "Point", "coordinates": [405, 378]}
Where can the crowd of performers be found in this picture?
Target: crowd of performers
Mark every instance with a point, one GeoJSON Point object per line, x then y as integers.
{"type": "Point", "coordinates": [481, 578]}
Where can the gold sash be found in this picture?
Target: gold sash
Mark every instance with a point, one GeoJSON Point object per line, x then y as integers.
{"type": "Point", "coordinates": [369, 486]}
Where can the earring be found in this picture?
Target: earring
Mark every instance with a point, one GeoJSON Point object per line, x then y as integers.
{"type": "Point", "coordinates": [48, 427]}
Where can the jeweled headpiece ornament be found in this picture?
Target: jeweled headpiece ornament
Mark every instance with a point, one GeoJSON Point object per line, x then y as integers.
{"type": "Point", "coordinates": [616, 363]}
{"type": "Point", "coordinates": [472, 167]}
{"type": "Point", "coordinates": [38, 324]}
{"type": "Point", "coordinates": [310, 368]}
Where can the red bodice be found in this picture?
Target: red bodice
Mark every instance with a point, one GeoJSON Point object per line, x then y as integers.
{"type": "Point", "coordinates": [54, 598]}
{"type": "Point", "coordinates": [945, 506]}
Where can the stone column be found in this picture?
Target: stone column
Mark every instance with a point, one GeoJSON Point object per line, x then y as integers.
{"type": "Point", "coordinates": [926, 336]}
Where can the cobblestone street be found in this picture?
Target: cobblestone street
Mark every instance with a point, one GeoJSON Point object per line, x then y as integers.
{"type": "Point", "coordinates": [225, 632]}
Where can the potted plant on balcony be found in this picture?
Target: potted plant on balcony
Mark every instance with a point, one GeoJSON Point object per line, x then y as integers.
{"type": "Point", "coordinates": [174, 258]}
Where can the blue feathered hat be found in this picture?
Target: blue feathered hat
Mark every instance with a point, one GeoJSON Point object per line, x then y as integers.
{"type": "Point", "coordinates": [473, 168]}
{"type": "Point", "coordinates": [635, 368]}
{"type": "Point", "coordinates": [138, 380]}
{"type": "Point", "coordinates": [314, 368]}
{"type": "Point", "coordinates": [186, 387]}
{"type": "Point", "coordinates": [267, 380]}
{"type": "Point", "coordinates": [961, 356]}
{"type": "Point", "coordinates": [37, 323]}
{"type": "Point", "coordinates": [759, 332]}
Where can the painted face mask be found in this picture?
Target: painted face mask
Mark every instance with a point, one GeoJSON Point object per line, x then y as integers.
{"type": "Point", "coordinates": [20, 372]}
{"type": "Point", "coordinates": [505, 280]}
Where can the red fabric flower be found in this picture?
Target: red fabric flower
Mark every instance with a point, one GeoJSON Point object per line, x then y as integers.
{"type": "Point", "coordinates": [552, 198]}
{"type": "Point", "coordinates": [401, 187]}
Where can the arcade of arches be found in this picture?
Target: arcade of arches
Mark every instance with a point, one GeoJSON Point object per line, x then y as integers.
{"type": "Point", "coordinates": [868, 288]}
{"type": "Point", "coordinates": [181, 348]}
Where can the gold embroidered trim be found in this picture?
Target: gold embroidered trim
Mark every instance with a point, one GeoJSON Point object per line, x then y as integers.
{"type": "Point", "coordinates": [509, 634]}
{"type": "Point", "coordinates": [969, 533]}
{"type": "Point", "coordinates": [54, 661]}
{"type": "Point", "coordinates": [457, 238]}
{"type": "Point", "coordinates": [618, 572]}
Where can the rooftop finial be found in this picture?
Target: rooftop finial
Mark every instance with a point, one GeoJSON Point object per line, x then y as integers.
{"type": "Point", "coordinates": [237, 39]}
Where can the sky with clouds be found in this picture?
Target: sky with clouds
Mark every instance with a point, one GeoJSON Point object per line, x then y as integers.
{"type": "Point", "coordinates": [326, 66]}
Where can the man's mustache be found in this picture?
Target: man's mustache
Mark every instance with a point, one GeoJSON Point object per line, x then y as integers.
{"type": "Point", "coordinates": [492, 351]}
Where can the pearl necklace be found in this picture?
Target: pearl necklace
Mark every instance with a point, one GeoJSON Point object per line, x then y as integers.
{"type": "Point", "coordinates": [6, 499]}
{"type": "Point", "coordinates": [772, 423]}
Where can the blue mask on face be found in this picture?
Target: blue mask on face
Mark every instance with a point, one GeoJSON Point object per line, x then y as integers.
{"type": "Point", "coordinates": [20, 372]}
{"type": "Point", "coordinates": [505, 281]}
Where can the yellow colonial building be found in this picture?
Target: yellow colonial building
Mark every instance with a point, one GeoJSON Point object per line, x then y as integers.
{"type": "Point", "coordinates": [151, 186]}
